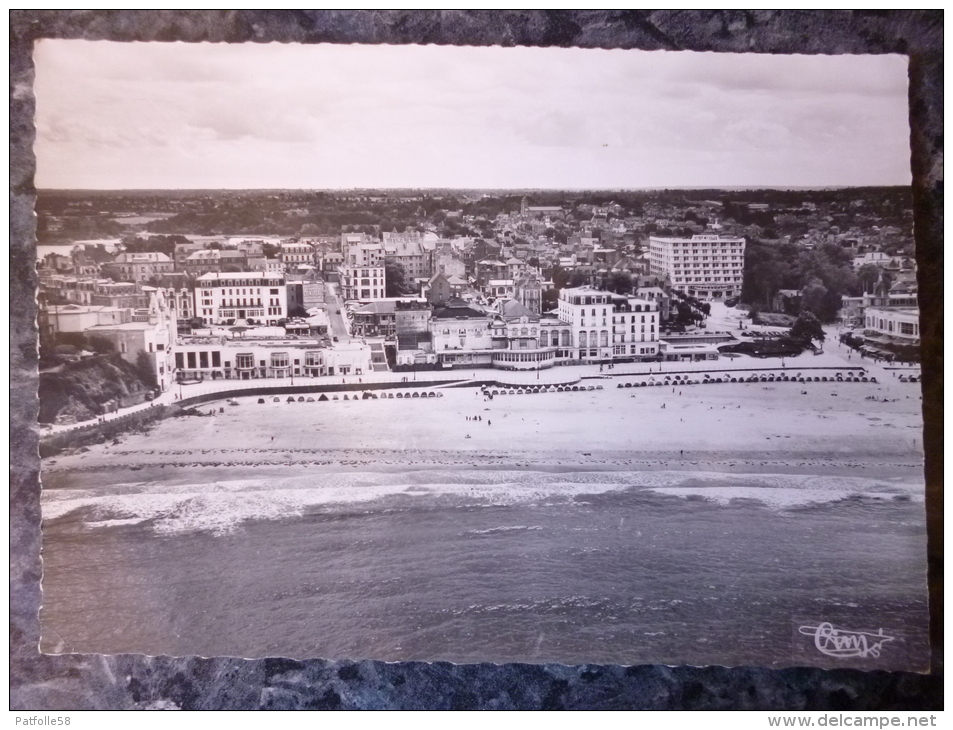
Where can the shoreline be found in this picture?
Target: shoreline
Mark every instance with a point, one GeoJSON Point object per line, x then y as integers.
{"type": "Point", "coordinates": [325, 462]}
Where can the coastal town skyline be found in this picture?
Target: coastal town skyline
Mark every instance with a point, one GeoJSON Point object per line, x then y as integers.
{"type": "Point", "coordinates": [332, 117]}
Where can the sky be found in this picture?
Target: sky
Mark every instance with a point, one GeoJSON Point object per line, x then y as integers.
{"type": "Point", "coordinates": [177, 115]}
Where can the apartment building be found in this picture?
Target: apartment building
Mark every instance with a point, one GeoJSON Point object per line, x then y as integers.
{"type": "Point", "coordinates": [295, 254]}
{"type": "Point", "coordinates": [138, 266]}
{"type": "Point", "coordinates": [362, 282]}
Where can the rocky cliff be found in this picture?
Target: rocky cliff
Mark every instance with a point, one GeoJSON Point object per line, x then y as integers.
{"type": "Point", "coordinates": [82, 390]}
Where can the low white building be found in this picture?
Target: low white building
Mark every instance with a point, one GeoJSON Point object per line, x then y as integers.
{"type": "Point", "coordinates": [219, 358]}
{"type": "Point", "coordinates": [258, 296]}
{"type": "Point", "coordinates": [897, 325]}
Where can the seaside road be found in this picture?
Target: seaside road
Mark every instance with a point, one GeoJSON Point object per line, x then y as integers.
{"type": "Point", "coordinates": [336, 316]}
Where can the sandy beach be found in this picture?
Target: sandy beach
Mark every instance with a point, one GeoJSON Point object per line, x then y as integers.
{"type": "Point", "coordinates": [732, 424]}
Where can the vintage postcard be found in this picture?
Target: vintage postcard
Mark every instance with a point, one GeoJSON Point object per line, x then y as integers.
{"type": "Point", "coordinates": [479, 355]}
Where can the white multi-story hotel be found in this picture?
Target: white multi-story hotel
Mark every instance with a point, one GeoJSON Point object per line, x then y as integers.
{"type": "Point", "coordinates": [362, 283]}
{"type": "Point", "coordinates": [704, 266]}
{"type": "Point", "coordinates": [249, 295]}
{"type": "Point", "coordinates": [607, 326]}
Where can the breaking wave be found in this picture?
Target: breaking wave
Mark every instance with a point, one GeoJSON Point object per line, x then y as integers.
{"type": "Point", "coordinates": [222, 506]}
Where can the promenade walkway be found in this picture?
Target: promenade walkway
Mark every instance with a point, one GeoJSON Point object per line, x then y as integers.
{"type": "Point", "coordinates": [835, 357]}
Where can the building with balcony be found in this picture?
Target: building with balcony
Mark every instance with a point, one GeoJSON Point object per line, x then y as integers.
{"type": "Point", "coordinates": [704, 266]}
{"type": "Point", "coordinates": [607, 326]}
{"type": "Point", "coordinates": [508, 337]}
{"type": "Point", "coordinates": [254, 296]}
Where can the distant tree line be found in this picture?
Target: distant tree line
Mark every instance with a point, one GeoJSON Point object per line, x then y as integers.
{"type": "Point", "coordinates": [822, 275]}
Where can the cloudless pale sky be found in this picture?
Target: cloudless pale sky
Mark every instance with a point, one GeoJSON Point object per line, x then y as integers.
{"type": "Point", "coordinates": [177, 115]}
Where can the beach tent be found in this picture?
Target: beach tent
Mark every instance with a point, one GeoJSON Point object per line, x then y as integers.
{"type": "Point", "coordinates": [261, 400]}
{"type": "Point", "coordinates": [323, 396]}
{"type": "Point", "coordinates": [310, 400]}
{"type": "Point", "coordinates": [290, 399]}
{"type": "Point", "coordinates": [334, 397]}
{"type": "Point", "coordinates": [301, 399]}
{"type": "Point", "coordinates": [276, 399]}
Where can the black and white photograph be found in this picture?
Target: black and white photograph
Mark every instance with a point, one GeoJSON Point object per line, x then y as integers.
{"type": "Point", "coordinates": [479, 354]}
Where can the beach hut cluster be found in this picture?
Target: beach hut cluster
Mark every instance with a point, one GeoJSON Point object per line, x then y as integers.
{"type": "Point", "coordinates": [706, 379]}
{"type": "Point", "coordinates": [364, 395]}
{"type": "Point", "coordinates": [532, 389]}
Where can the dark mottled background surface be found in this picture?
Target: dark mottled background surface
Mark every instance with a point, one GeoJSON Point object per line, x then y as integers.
{"type": "Point", "coordinates": [118, 682]}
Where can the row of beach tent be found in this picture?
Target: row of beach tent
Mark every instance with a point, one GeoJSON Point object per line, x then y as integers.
{"type": "Point", "coordinates": [753, 378]}
{"type": "Point", "coordinates": [540, 389]}
{"type": "Point", "coordinates": [355, 396]}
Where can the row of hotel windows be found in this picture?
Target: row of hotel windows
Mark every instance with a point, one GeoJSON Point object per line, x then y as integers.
{"type": "Point", "coordinates": [712, 246]}
{"type": "Point", "coordinates": [220, 283]}
{"type": "Point", "coordinates": [707, 258]}
{"type": "Point", "coordinates": [583, 352]}
{"type": "Point", "coordinates": [679, 279]}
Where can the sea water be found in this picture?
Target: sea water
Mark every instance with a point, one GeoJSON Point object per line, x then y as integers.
{"type": "Point", "coordinates": [479, 565]}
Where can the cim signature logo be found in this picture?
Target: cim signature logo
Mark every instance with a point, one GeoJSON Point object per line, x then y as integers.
{"type": "Point", "coordinates": [842, 644]}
